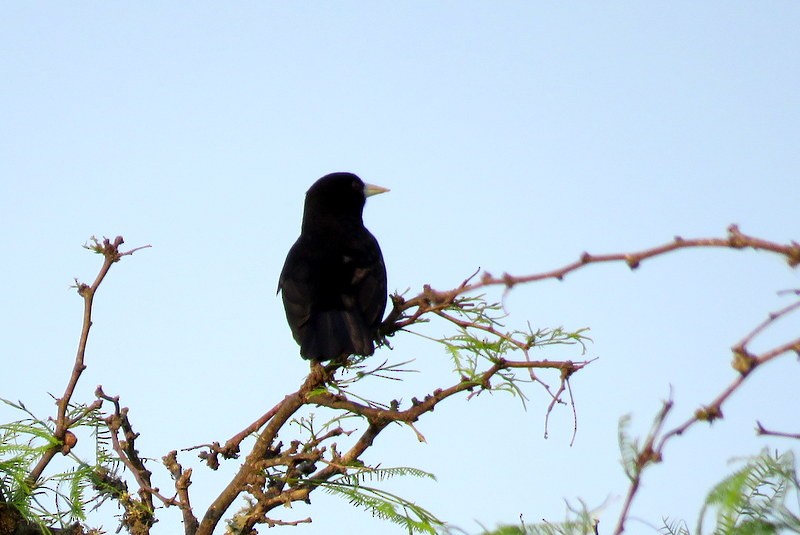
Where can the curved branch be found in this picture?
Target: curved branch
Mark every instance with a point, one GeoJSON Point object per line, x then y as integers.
{"type": "Point", "coordinates": [431, 300]}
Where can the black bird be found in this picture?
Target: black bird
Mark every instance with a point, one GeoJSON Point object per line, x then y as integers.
{"type": "Point", "coordinates": [333, 282]}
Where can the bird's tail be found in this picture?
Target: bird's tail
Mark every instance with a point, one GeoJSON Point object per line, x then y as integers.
{"type": "Point", "coordinates": [336, 333]}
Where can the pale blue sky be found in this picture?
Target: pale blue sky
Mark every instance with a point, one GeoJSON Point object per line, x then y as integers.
{"type": "Point", "coordinates": [513, 136]}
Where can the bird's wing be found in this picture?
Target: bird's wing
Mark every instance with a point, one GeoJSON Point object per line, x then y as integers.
{"type": "Point", "coordinates": [295, 286]}
{"type": "Point", "coordinates": [370, 280]}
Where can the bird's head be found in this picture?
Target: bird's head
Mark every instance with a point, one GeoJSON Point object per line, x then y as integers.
{"type": "Point", "coordinates": [340, 195]}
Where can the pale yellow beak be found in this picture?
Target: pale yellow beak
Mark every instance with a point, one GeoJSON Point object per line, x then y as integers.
{"type": "Point", "coordinates": [372, 189]}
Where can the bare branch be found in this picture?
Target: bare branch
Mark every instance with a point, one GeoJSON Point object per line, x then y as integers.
{"type": "Point", "coordinates": [433, 301]}
{"type": "Point", "coordinates": [763, 431]}
{"type": "Point", "coordinates": [111, 254]}
{"type": "Point", "coordinates": [183, 478]}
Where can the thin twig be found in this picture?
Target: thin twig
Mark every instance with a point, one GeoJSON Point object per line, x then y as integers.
{"type": "Point", "coordinates": [646, 455]}
{"type": "Point", "coordinates": [433, 301]}
{"type": "Point", "coordinates": [111, 254]}
{"type": "Point", "coordinates": [763, 431]}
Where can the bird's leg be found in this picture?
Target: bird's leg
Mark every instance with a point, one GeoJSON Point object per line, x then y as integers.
{"type": "Point", "coordinates": [323, 374]}
{"type": "Point", "coordinates": [319, 375]}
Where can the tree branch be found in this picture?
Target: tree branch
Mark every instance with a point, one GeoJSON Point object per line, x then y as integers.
{"type": "Point", "coordinates": [111, 254]}
{"type": "Point", "coordinates": [433, 301]}
{"type": "Point", "coordinates": [744, 362]}
{"type": "Point", "coordinates": [276, 475]}
{"type": "Point", "coordinates": [286, 410]}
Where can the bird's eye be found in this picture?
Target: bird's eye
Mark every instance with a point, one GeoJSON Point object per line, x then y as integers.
{"type": "Point", "coordinates": [357, 186]}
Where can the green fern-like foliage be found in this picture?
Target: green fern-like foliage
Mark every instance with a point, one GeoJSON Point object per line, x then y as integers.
{"type": "Point", "coordinates": [472, 348]}
{"type": "Point", "coordinates": [57, 499]}
{"type": "Point", "coordinates": [628, 447]}
{"type": "Point", "coordinates": [381, 503]}
{"type": "Point", "coordinates": [22, 443]}
{"type": "Point", "coordinates": [674, 527]}
{"type": "Point", "coordinates": [579, 520]}
{"type": "Point", "coordinates": [760, 498]}
{"type": "Point", "coordinates": [754, 499]}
